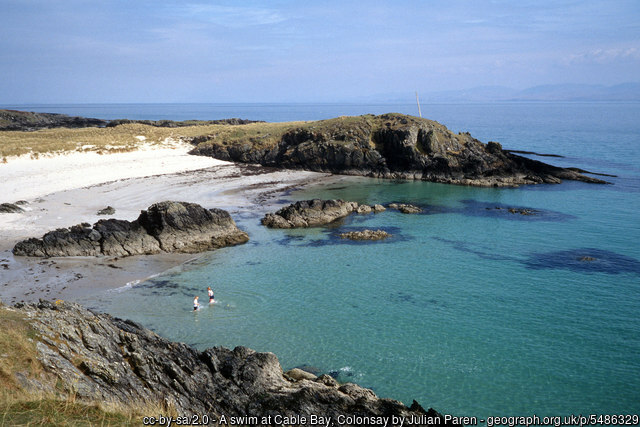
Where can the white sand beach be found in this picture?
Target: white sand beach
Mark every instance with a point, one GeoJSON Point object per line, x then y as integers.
{"type": "Point", "coordinates": [65, 190]}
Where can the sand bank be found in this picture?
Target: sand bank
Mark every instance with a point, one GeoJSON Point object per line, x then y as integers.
{"type": "Point", "coordinates": [69, 189]}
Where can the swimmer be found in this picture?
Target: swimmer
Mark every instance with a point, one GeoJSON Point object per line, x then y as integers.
{"type": "Point", "coordinates": [196, 304]}
{"type": "Point", "coordinates": [210, 292]}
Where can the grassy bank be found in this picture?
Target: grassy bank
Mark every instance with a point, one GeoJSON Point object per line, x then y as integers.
{"type": "Point", "coordinates": [127, 137]}
{"type": "Point", "coordinates": [26, 406]}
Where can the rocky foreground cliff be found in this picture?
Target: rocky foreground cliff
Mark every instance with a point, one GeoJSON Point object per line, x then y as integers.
{"type": "Point", "coordinates": [100, 358]}
{"type": "Point", "coordinates": [386, 146]}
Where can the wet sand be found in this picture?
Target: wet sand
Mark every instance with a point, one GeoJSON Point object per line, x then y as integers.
{"type": "Point", "coordinates": [236, 188]}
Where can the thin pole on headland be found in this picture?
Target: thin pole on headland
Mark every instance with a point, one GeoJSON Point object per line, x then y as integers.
{"type": "Point", "coordinates": [418, 101]}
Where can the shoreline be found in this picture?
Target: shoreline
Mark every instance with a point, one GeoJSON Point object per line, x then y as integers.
{"type": "Point", "coordinates": [125, 184]}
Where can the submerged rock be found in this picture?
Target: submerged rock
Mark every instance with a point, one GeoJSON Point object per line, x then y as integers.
{"type": "Point", "coordinates": [100, 358]}
{"type": "Point", "coordinates": [365, 235]}
{"type": "Point", "coordinates": [163, 227]}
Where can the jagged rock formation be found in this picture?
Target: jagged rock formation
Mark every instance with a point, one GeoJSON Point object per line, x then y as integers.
{"type": "Point", "coordinates": [314, 213]}
{"type": "Point", "coordinates": [390, 146]}
{"type": "Point", "coordinates": [365, 235]}
{"type": "Point", "coordinates": [101, 358]}
{"type": "Point", "coordinates": [163, 227]}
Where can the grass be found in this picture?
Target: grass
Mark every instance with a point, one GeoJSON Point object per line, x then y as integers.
{"type": "Point", "coordinates": [20, 407]}
{"type": "Point", "coordinates": [17, 348]}
{"type": "Point", "coordinates": [51, 412]}
{"type": "Point", "coordinates": [126, 137]}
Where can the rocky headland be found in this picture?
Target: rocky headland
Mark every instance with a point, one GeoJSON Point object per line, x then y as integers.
{"type": "Point", "coordinates": [28, 121]}
{"type": "Point", "coordinates": [314, 213]}
{"type": "Point", "coordinates": [391, 146]}
{"type": "Point", "coordinates": [163, 227]}
{"type": "Point", "coordinates": [96, 357]}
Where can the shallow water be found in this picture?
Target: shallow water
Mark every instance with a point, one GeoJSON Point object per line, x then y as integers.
{"type": "Point", "coordinates": [468, 308]}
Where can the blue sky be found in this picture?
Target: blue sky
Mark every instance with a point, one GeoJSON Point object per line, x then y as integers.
{"type": "Point", "coordinates": [64, 51]}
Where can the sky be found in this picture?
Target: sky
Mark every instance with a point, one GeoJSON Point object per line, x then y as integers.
{"type": "Point", "coordinates": [84, 51]}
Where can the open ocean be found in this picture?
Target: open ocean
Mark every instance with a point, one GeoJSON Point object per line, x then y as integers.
{"type": "Point", "coordinates": [468, 309]}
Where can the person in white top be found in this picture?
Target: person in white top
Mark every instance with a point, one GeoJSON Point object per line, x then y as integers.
{"type": "Point", "coordinates": [210, 292]}
{"type": "Point", "coordinates": [196, 304]}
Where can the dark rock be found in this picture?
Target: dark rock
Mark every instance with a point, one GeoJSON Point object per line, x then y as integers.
{"type": "Point", "coordinates": [107, 211]}
{"type": "Point", "coordinates": [100, 358]}
{"type": "Point", "coordinates": [365, 235]}
{"type": "Point", "coordinates": [163, 227]}
{"type": "Point", "coordinates": [391, 146]}
{"type": "Point", "coordinates": [309, 213]}
{"type": "Point", "coordinates": [522, 211]}
{"type": "Point", "coordinates": [28, 121]}
{"type": "Point", "coordinates": [585, 260]}
{"type": "Point", "coordinates": [174, 124]}
{"type": "Point", "coordinates": [10, 208]}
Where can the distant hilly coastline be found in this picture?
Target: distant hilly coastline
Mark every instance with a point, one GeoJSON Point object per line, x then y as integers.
{"type": "Point", "coordinates": [555, 92]}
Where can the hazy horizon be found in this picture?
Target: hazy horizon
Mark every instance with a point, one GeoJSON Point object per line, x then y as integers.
{"type": "Point", "coordinates": [285, 51]}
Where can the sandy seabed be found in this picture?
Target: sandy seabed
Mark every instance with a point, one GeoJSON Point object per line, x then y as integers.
{"type": "Point", "coordinates": [69, 189]}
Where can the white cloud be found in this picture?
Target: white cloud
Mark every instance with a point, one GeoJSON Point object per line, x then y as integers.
{"type": "Point", "coordinates": [233, 16]}
{"type": "Point", "coordinates": [604, 56]}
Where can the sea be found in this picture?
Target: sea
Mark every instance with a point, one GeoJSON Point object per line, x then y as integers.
{"type": "Point", "coordinates": [468, 308]}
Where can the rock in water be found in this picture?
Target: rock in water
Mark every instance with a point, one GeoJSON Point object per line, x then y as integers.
{"type": "Point", "coordinates": [100, 358]}
{"type": "Point", "coordinates": [405, 208]}
{"type": "Point", "coordinates": [365, 235]}
{"type": "Point", "coordinates": [163, 227]}
{"type": "Point", "coordinates": [309, 213]}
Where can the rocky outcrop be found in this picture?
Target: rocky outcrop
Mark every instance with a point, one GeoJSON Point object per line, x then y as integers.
{"type": "Point", "coordinates": [27, 121]}
{"type": "Point", "coordinates": [174, 124]}
{"type": "Point", "coordinates": [99, 358]}
{"type": "Point", "coordinates": [163, 227]}
{"type": "Point", "coordinates": [390, 146]}
{"type": "Point", "coordinates": [314, 213]}
{"type": "Point", "coordinates": [365, 235]}
{"type": "Point", "coordinates": [405, 208]}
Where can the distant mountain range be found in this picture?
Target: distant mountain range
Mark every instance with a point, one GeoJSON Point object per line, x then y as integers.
{"type": "Point", "coordinates": [556, 92]}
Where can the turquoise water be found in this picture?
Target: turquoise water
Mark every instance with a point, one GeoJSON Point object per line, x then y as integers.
{"type": "Point", "coordinates": [467, 308]}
